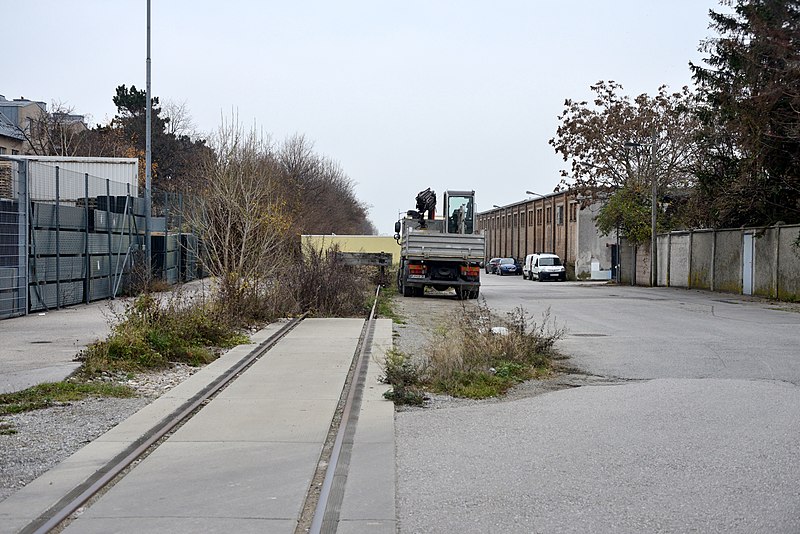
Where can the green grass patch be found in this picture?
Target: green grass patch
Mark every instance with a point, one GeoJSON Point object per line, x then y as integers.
{"type": "Point", "coordinates": [51, 393]}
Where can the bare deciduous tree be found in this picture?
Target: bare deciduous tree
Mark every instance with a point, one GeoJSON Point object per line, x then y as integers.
{"type": "Point", "coordinates": [179, 119]}
{"type": "Point", "coordinates": [597, 139]}
{"type": "Point", "coordinates": [322, 195]}
{"type": "Point", "coordinates": [241, 215]}
{"type": "Point", "coordinates": [619, 145]}
{"type": "Point", "coordinates": [59, 132]}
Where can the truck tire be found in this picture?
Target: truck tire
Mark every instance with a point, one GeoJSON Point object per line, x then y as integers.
{"type": "Point", "coordinates": [408, 291]}
{"type": "Point", "coordinates": [474, 293]}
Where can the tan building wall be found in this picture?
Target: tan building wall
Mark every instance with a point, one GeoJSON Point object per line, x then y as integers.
{"type": "Point", "coordinates": [354, 243]}
{"type": "Point", "coordinates": [544, 224]}
{"type": "Point", "coordinates": [10, 146]}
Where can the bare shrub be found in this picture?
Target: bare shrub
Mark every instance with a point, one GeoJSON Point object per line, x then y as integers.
{"type": "Point", "coordinates": [320, 283]}
{"type": "Point", "coordinates": [241, 218]}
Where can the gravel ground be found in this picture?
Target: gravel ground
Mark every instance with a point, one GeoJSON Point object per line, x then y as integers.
{"type": "Point", "coordinates": [43, 438]}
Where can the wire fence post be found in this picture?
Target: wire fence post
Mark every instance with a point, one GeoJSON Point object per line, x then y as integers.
{"type": "Point", "coordinates": [87, 281]}
{"type": "Point", "coordinates": [180, 236]}
{"type": "Point", "coordinates": [165, 262]}
{"type": "Point", "coordinates": [58, 240]}
{"type": "Point", "coordinates": [23, 298]}
{"type": "Point", "coordinates": [131, 219]}
{"type": "Point", "coordinates": [108, 229]}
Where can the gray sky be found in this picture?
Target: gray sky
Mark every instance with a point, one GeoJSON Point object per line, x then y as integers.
{"type": "Point", "coordinates": [405, 95]}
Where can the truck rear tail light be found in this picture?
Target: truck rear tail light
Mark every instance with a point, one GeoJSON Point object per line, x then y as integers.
{"type": "Point", "coordinates": [468, 270]}
{"type": "Point", "coordinates": [416, 269]}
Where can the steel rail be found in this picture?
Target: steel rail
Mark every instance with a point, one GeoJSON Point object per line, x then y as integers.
{"type": "Point", "coordinates": [60, 511]}
{"type": "Point", "coordinates": [326, 514]}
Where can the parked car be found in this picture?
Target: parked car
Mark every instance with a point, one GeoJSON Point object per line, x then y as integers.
{"type": "Point", "coordinates": [508, 266]}
{"type": "Point", "coordinates": [491, 265]}
{"type": "Point", "coordinates": [543, 267]}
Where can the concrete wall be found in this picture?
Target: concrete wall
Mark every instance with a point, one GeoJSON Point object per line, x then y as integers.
{"type": "Point", "coordinates": [702, 261]}
{"type": "Point", "coordinates": [788, 278]}
{"type": "Point", "coordinates": [765, 249]}
{"type": "Point", "coordinates": [678, 259]}
{"type": "Point", "coordinates": [728, 262]}
{"type": "Point", "coordinates": [712, 260]}
{"type": "Point", "coordinates": [628, 263]}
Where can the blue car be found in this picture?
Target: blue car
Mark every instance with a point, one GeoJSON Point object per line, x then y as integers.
{"type": "Point", "coordinates": [508, 266]}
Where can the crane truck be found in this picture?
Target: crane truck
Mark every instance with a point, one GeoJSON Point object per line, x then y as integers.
{"type": "Point", "coordinates": [440, 253]}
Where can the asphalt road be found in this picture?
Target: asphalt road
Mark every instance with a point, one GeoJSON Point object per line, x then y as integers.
{"type": "Point", "coordinates": [692, 425]}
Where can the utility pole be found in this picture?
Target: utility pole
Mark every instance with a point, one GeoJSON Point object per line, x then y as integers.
{"type": "Point", "coordinates": [653, 208]}
{"type": "Point", "coordinates": [653, 213]}
{"type": "Point", "coordinates": [148, 230]}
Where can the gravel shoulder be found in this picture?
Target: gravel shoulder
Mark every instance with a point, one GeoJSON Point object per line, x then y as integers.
{"type": "Point", "coordinates": [43, 438]}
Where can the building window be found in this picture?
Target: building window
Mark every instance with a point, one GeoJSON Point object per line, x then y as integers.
{"type": "Point", "coordinates": [538, 216]}
{"type": "Point", "coordinates": [559, 214]}
{"type": "Point", "coordinates": [516, 219]}
{"type": "Point", "coordinates": [2, 150]}
{"type": "Point", "coordinates": [14, 152]}
{"type": "Point", "coordinates": [530, 218]}
{"type": "Point", "coordinates": [573, 212]}
{"type": "Point", "coordinates": [549, 214]}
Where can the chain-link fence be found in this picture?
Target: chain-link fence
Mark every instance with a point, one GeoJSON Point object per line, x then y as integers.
{"type": "Point", "coordinates": [68, 237]}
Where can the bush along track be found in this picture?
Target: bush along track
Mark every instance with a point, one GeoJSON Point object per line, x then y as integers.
{"type": "Point", "coordinates": [468, 357]}
{"type": "Point", "coordinates": [146, 335]}
{"type": "Point", "coordinates": [150, 335]}
{"type": "Point", "coordinates": [154, 332]}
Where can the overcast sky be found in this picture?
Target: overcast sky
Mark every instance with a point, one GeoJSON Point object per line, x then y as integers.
{"type": "Point", "coordinates": [404, 95]}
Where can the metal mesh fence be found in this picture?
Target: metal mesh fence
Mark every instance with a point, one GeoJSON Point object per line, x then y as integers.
{"type": "Point", "coordinates": [13, 224]}
{"type": "Point", "coordinates": [68, 237]}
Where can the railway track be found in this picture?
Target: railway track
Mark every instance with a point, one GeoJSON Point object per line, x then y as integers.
{"type": "Point", "coordinates": [324, 496]}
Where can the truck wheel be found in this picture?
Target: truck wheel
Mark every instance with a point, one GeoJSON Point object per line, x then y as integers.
{"type": "Point", "coordinates": [408, 291]}
{"type": "Point", "coordinates": [474, 293]}
{"type": "Point", "coordinates": [417, 291]}
{"type": "Point", "coordinates": [461, 293]}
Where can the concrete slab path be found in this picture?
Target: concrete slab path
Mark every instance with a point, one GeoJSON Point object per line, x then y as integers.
{"type": "Point", "coordinates": [245, 461]}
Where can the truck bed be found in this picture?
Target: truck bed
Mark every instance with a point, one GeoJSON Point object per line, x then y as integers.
{"type": "Point", "coordinates": [419, 245]}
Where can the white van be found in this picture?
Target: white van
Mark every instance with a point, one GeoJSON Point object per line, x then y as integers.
{"type": "Point", "coordinates": [543, 267]}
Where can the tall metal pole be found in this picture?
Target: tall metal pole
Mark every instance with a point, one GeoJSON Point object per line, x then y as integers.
{"type": "Point", "coordinates": [653, 213]}
{"type": "Point", "coordinates": [148, 162]}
